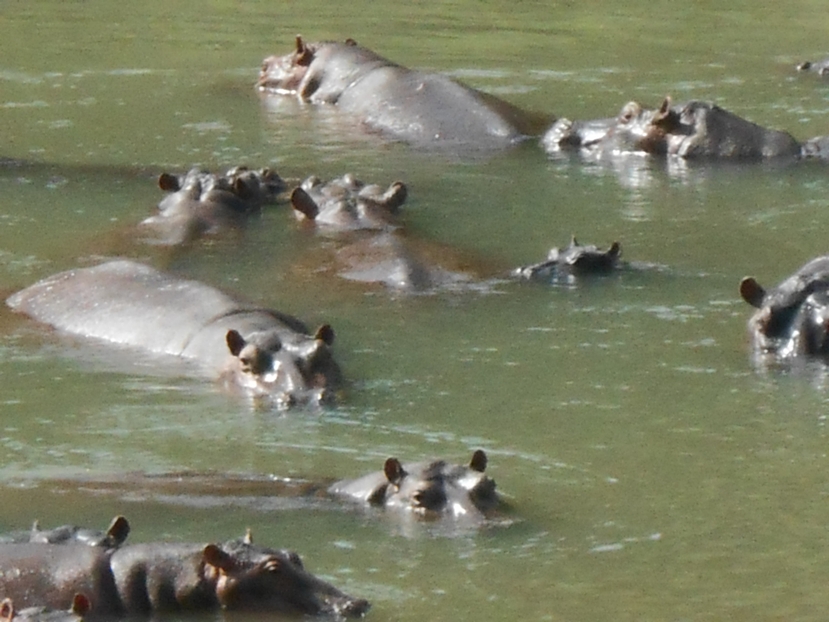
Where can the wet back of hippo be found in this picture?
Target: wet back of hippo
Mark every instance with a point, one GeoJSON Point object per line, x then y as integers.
{"type": "Point", "coordinates": [128, 303]}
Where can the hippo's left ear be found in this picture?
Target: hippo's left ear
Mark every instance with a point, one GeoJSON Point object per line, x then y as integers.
{"type": "Point", "coordinates": [81, 605]}
{"type": "Point", "coordinates": [169, 183]}
{"type": "Point", "coordinates": [118, 530]}
{"type": "Point", "coordinates": [235, 342]}
{"type": "Point", "coordinates": [217, 558]}
{"type": "Point", "coordinates": [615, 250]}
{"type": "Point", "coordinates": [304, 204]}
{"type": "Point", "coordinates": [394, 471]}
{"type": "Point", "coordinates": [478, 462]}
{"type": "Point", "coordinates": [325, 334]}
{"type": "Point", "coordinates": [752, 292]}
{"type": "Point", "coordinates": [7, 610]}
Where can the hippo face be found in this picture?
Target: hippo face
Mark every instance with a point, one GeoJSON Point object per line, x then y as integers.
{"type": "Point", "coordinates": [639, 129]}
{"type": "Point", "coordinates": [200, 202]}
{"type": "Point", "coordinates": [80, 607]}
{"type": "Point", "coordinates": [347, 204]}
{"type": "Point", "coordinates": [792, 319]}
{"type": "Point", "coordinates": [430, 490]}
{"type": "Point", "coordinates": [288, 368]}
{"type": "Point", "coordinates": [576, 260]}
{"type": "Point", "coordinates": [250, 577]}
{"type": "Point", "coordinates": [113, 537]}
{"type": "Point", "coordinates": [284, 74]}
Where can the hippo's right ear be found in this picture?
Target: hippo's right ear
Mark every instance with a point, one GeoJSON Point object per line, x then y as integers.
{"type": "Point", "coordinates": [394, 471]}
{"type": "Point", "coordinates": [169, 183]}
{"type": "Point", "coordinates": [235, 342]}
{"type": "Point", "coordinates": [304, 204]}
{"type": "Point", "coordinates": [752, 292]}
{"type": "Point", "coordinates": [81, 604]}
{"type": "Point", "coordinates": [118, 530]}
{"type": "Point", "coordinates": [325, 334]}
{"type": "Point", "coordinates": [216, 557]}
{"type": "Point", "coordinates": [304, 55]}
{"type": "Point", "coordinates": [7, 610]}
{"type": "Point", "coordinates": [478, 462]}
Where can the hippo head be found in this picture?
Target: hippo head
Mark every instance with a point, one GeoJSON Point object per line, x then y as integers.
{"type": "Point", "coordinates": [115, 535]}
{"type": "Point", "coordinates": [284, 74]}
{"type": "Point", "coordinates": [254, 578]}
{"type": "Point", "coordinates": [430, 490]}
{"type": "Point", "coordinates": [639, 129]}
{"type": "Point", "coordinates": [80, 607]}
{"type": "Point", "coordinates": [289, 369]}
{"type": "Point", "coordinates": [576, 260]}
{"type": "Point", "coordinates": [347, 203]}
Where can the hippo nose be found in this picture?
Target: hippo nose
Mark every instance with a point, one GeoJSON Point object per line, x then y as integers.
{"type": "Point", "coordinates": [355, 608]}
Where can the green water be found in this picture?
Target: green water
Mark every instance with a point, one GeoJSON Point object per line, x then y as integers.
{"type": "Point", "coordinates": [652, 472]}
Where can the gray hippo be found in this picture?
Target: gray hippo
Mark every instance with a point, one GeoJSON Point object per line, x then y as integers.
{"type": "Point", "coordinates": [79, 608]}
{"type": "Point", "coordinates": [145, 579]}
{"type": "Point", "coordinates": [114, 536]}
{"type": "Point", "coordinates": [576, 260]}
{"type": "Point", "coordinates": [202, 203]}
{"type": "Point", "coordinates": [695, 131]}
{"type": "Point", "coordinates": [424, 109]}
{"type": "Point", "coordinates": [428, 489]}
{"type": "Point", "coordinates": [346, 203]}
{"type": "Point", "coordinates": [792, 319]}
{"type": "Point", "coordinates": [267, 354]}
{"type": "Point", "coordinates": [820, 67]}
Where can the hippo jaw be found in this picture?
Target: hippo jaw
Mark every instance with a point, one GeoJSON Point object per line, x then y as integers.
{"type": "Point", "coordinates": [256, 579]}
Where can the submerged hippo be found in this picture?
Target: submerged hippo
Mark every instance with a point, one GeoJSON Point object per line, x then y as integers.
{"type": "Point", "coordinates": [346, 203]}
{"type": "Point", "coordinates": [114, 536]}
{"type": "Point", "coordinates": [170, 577]}
{"type": "Point", "coordinates": [694, 130]}
{"type": "Point", "coordinates": [792, 319]}
{"type": "Point", "coordinates": [79, 608]}
{"type": "Point", "coordinates": [424, 109]}
{"type": "Point", "coordinates": [576, 260]}
{"type": "Point", "coordinates": [820, 67]}
{"type": "Point", "coordinates": [268, 354]}
{"type": "Point", "coordinates": [429, 489]}
{"type": "Point", "coordinates": [204, 203]}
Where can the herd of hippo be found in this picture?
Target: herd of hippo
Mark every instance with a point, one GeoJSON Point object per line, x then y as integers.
{"type": "Point", "coordinates": [70, 573]}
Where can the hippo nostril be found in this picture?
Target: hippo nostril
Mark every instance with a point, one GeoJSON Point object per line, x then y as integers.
{"type": "Point", "coordinates": [354, 608]}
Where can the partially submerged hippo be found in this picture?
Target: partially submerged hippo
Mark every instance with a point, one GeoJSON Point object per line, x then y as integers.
{"type": "Point", "coordinates": [428, 489]}
{"type": "Point", "coordinates": [79, 608]}
{"type": "Point", "coordinates": [576, 260]}
{"type": "Point", "coordinates": [792, 319]}
{"type": "Point", "coordinates": [170, 577]}
{"type": "Point", "coordinates": [202, 203]}
{"type": "Point", "coordinates": [114, 536]}
{"type": "Point", "coordinates": [424, 109]}
{"type": "Point", "coordinates": [346, 203]}
{"type": "Point", "coordinates": [820, 67]}
{"type": "Point", "coordinates": [268, 354]}
{"type": "Point", "coordinates": [694, 130]}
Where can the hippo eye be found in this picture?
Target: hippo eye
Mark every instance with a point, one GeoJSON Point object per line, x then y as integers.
{"type": "Point", "coordinates": [272, 566]}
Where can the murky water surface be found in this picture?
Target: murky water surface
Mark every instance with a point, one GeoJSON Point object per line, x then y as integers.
{"type": "Point", "coordinates": [653, 474]}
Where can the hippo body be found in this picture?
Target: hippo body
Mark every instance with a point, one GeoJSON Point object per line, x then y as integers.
{"type": "Point", "coordinates": [266, 353]}
{"type": "Point", "coordinates": [574, 261]}
{"type": "Point", "coordinates": [201, 203]}
{"type": "Point", "coordinates": [428, 489]}
{"type": "Point", "coordinates": [420, 108]}
{"type": "Point", "coordinates": [168, 577]}
{"type": "Point", "coordinates": [80, 607]}
{"type": "Point", "coordinates": [694, 131]}
{"type": "Point", "coordinates": [113, 537]}
{"type": "Point", "coordinates": [792, 319]}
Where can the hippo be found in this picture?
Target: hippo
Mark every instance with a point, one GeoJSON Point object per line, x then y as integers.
{"type": "Point", "coordinates": [428, 489]}
{"type": "Point", "coordinates": [694, 131]}
{"type": "Point", "coordinates": [145, 579]}
{"type": "Point", "coordinates": [347, 204]}
{"type": "Point", "coordinates": [792, 319]}
{"type": "Point", "coordinates": [79, 608]}
{"type": "Point", "coordinates": [820, 67]}
{"type": "Point", "coordinates": [115, 535]}
{"type": "Point", "coordinates": [202, 203]}
{"type": "Point", "coordinates": [423, 109]}
{"type": "Point", "coordinates": [574, 261]}
{"type": "Point", "coordinates": [267, 354]}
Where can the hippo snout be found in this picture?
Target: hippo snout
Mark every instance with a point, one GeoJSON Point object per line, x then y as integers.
{"type": "Point", "coordinates": [353, 608]}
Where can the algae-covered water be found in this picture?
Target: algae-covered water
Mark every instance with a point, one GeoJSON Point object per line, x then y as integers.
{"type": "Point", "coordinates": [652, 473]}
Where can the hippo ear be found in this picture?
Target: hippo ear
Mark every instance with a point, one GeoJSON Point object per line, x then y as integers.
{"type": "Point", "coordinates": [478, 462]}
{"type": "Point", "coordinates": [242, 188]}
{"type": "Point", "coordinates": [325, 333]}
{"type": "Point", "coordinates": [304, 55]}
{"type": "Point", "coordinates": [394, 471]}
{"type": "Point", "coordinates": [235, 342]}
{"type": "Point", "coordinates": [7, 610]}
{"type": "Point", "coordinates": [81, 605]}
{"type": "Point", "coordinates": [615, 250]}
{"type": "Point", "coordinates": [752, 292]}
{"type": "Point", "coordinates": [396, 195]}
{"type": "Point", "coordinates": [248, 539]}
{"type": "Point", "coordinates": [118, 530]}
{"type": "Point", "coordinates": [304, 204]}
{"type": "Point", "coordinates": [350, 42]}
{"type": "Point", "coordinates": [216, 557]}
{"type": "Point", "coordinates": [169, 183]}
